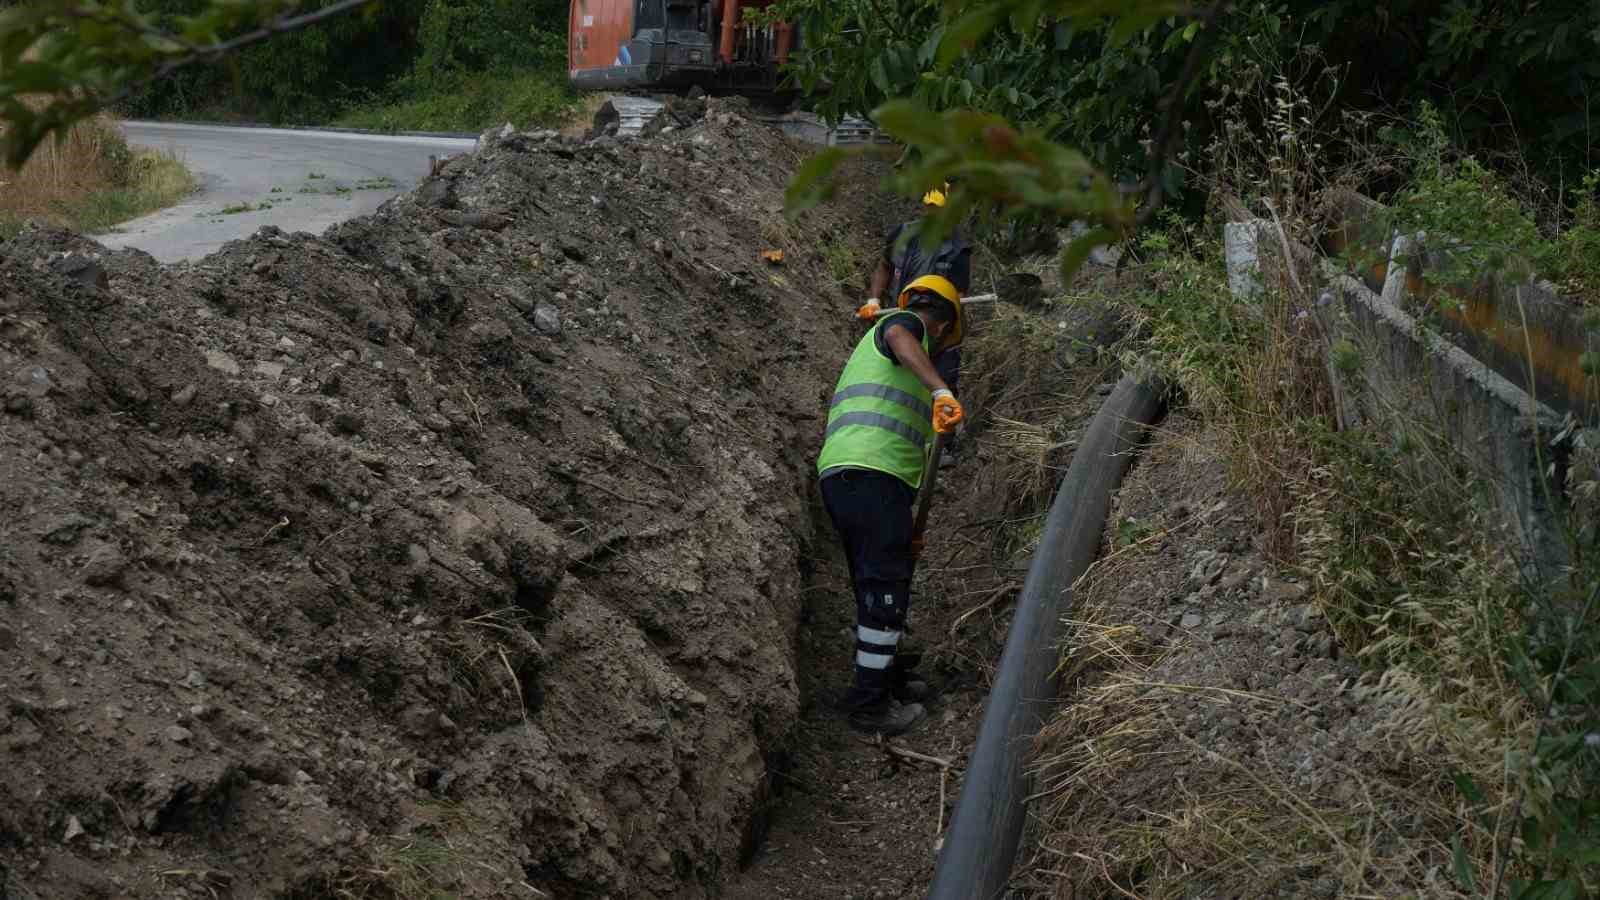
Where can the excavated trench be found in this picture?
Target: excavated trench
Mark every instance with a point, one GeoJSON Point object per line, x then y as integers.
{"type": "Point", "coordinates": [865, 818]}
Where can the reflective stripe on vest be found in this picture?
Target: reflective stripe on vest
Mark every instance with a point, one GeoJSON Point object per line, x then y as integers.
{"type": "Point", "coordinates": [876, 420]}
{"type": "Point", "coordinates": [880, 417]}
{"type": "Point", "coordinates": [894, 395]}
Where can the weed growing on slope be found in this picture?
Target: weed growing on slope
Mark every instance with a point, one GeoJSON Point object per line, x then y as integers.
{"type": "Point", "coordinates": [453, 854]}
{"type": "Point", "coordinates": [845, 265]}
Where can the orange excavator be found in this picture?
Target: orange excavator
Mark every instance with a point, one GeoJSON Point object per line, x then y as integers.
{"type": "Point", "coordinates": [665, 45]}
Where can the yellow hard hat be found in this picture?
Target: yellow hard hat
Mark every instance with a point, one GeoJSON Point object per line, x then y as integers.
{"type": "Point", "coordinates": [942, 286]}
{"type": "Point", "coordinates": [935, 197]}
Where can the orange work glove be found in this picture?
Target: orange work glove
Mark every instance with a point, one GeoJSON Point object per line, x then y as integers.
{"type": "Point", "coordinates": [869, 310]}
{"type": "Point", "coordinates": [947, 411]}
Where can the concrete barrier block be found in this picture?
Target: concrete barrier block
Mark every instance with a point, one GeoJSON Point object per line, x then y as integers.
{"type": "Point", "coordinates": [1241, 248]}
{"type": "Point", "coordinates": [1412, 382]}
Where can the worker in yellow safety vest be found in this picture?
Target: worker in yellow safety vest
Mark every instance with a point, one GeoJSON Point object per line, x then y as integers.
{"type": "Point", "coordinates": [887, 406]}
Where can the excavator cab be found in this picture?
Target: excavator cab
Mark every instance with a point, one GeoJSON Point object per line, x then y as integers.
{"type": "Point", "coordinates": [671, 44]}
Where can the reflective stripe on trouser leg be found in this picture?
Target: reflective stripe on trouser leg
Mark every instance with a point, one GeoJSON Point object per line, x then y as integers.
{"type": "Point", "coordinates": [880, 621]}
{"type": "Point", "coordinates": [875, 647]}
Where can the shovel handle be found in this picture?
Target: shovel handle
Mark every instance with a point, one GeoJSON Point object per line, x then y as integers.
{"type": "Point", "coordinates": [930, 474]}
{"type": "Point", "coordinates": [965, 301]}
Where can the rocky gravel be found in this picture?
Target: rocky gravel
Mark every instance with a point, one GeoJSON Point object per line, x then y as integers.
{"type": "Point", "coordinates": [1215, 739]}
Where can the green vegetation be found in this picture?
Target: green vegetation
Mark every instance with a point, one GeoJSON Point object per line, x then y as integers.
{"type": "Point", "coordinates": [91, 181]}
{"type": "Point", "coordinates": [1097, 74]}
{"type": "Point", "coordinates": [1490, 227]}
{"type": "Point", "coordinates": [425, 65]}
{"type": "Point", "coordinates": [844, 262]}
{"type": "Point", "coordinates": [156, 180]}
{"type": "Point", "coordinates": [995, 92]}
{"type": "Point", "coordinates": [470, 103]}
{"type": "Point", "coordinates": [401, 64]}
{"type": "Point", "coordinates": [1498, 680]}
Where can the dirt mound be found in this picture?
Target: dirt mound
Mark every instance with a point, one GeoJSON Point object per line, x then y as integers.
{"type": "Point", "coordinates": [457, 550]}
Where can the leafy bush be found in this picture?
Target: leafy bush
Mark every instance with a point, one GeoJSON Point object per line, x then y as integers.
{"type": "Point", "coordinates": [399, 63]}
{"type": "Point", "coordinates": [1487, 229]}
{"type": "Point", "coordinates": [1575, 256]}
{"type": "Point", "coordinates": [1482, 227]}
{"type": "Point", "coordinates": [1489, 69]}
{"type": "Point", "coordinates": [301, 76]}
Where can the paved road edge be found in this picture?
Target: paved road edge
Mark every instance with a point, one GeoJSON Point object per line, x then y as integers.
{"type": "Point", "coordinates": [455, 135]}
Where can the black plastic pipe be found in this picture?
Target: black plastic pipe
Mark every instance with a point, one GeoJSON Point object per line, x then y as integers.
{"type": "Point", "coordinates": [980, 847]}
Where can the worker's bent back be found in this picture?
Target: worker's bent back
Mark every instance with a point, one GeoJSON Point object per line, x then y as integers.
{"type": "Point", "coordinates": [880, 416]}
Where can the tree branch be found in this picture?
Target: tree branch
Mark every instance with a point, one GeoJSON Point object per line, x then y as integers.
{"type": "Point", "coordinates": [280, 25]}
{"type": "Point", "coordinates": [1173, 108]}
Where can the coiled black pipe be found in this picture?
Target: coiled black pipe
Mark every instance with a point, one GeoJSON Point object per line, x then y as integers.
{"type": "Point", "coordinates": [980, 847]}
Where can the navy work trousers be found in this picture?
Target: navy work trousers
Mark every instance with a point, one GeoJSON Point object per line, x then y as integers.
{"type": "Point", "coordinates": [872, 513]}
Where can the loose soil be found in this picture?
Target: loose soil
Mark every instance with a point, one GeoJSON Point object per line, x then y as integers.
{"type": "Point", "coordinates": [459, 551]}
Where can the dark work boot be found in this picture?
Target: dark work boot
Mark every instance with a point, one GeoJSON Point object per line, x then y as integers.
{"type": "Point", "coordinates": [905, 684]}
{"type": "Point", "coordinates": [889, 718]}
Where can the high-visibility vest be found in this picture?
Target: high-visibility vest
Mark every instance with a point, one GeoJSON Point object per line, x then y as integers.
{"type": "Point", "coordinates": [881, 417]}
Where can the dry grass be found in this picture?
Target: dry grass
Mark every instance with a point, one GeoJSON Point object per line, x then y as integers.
{"type": "Point", "coordinates": [1133, 804]}
{"type": "Point", "coordinates": [493, 661]}
{"type": "Point", "coordinates": [1029, 380]}
{"type": "Point", "coordinates": [91, 180]}
{"type": "Point", "coordinates": [64, 170]}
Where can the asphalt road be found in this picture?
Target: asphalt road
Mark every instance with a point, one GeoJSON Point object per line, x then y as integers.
{"type": "Point", "coordinates": [250, 177]}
